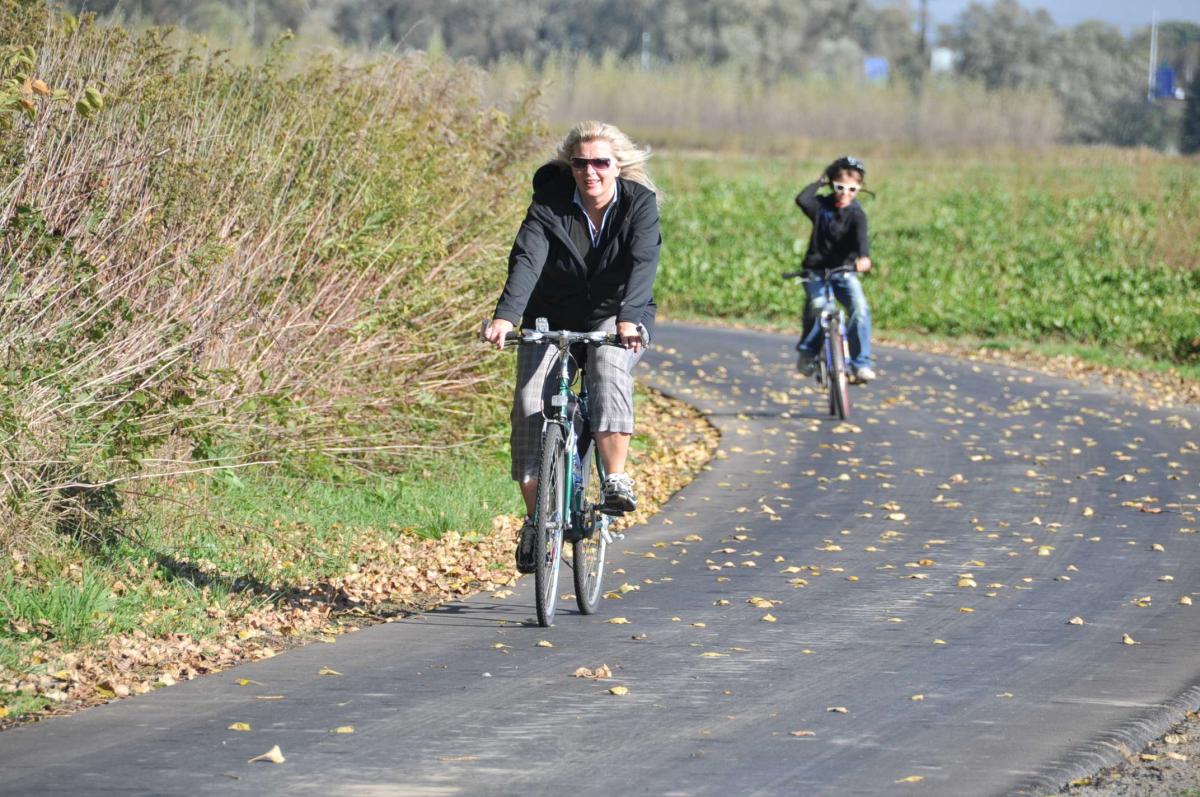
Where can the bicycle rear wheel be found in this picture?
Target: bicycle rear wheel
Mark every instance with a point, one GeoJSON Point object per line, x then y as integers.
{"type": "Point", "coordinates": [587, 559]}
{"type": "Point", "coordinates": [551, 506]}
{"type": "Point", "coordinates": [839, 378]}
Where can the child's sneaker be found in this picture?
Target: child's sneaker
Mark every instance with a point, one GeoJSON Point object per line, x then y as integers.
{"type": "Point", "coordinates": [618, 495]}
{"type": "Point", "coordinates": [526, 561]}
{"type": "Point", "coordinates": [805, 362]}
{"type": "Point", "coordinates": [864, 374]}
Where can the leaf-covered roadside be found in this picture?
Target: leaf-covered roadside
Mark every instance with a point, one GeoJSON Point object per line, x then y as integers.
{"type": "Point", "coordinates": [399, 578]}
{"type": "Point", "coordinates": [1152, 389]}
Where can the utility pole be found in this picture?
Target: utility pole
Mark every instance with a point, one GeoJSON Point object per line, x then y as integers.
{"type": "Point", "coordinates": [924, 32]}
{"type": "Point", "coordinates": [1153, 53]}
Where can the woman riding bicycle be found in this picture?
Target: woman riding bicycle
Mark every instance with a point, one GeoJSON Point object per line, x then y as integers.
{"type": "Point", "coordinates": [585, 259]}
{"type": "Point", "coordinates": [839, 238]}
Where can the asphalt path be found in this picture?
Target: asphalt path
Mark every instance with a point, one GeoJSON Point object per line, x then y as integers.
{"type": "Point", "coordinates": [874, 607]}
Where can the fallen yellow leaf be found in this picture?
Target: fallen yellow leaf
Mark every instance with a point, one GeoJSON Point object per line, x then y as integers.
{"type": "Point", "coordinates": [912, 779]}
{"type": "Point", "coordinates": [274, 755]}
{"type": "Point", "coordinates": [1185, 600]}
{"type": "Point", "coordinates": [768, 618]}
{"type": "Point", "coordinates": [619, 691]}
{"type": "Point", "coordinates": [1075, 621]}
{"type": "Point", "coordinates": [617, 621]}
{"type": "Point", "coordinates": [239, 726]}
{"type": "Point", "coordinates": [838, 710]}
{"type": "Point", "coordinates": [1128, 640]}
{"type": "Point", "coordinates": [545, 643]}
{"type": "Point", "coordinates": [342, 729]}
{"type": "Point", "coordinates": [327, 671]}
{"type": "Point", "coordinates": [803, 734]}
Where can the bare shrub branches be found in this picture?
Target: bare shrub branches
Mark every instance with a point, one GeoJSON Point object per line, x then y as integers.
{"type": "Point", "coordinates": [282, 257]}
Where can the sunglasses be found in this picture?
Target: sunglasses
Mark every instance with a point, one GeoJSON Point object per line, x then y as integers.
{"type": "Point", "coordinates": [599, 164]}
{"type": "Point", "coordinates": [845, 189]}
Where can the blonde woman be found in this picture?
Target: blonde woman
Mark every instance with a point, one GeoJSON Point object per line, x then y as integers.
{"type": "Point", "coordinates": [585, 259]}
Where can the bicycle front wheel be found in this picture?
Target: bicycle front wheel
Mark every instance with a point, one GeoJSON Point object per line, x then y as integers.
{"type": "Point", "coordinates": [551, 506]}
{"type": "Point", "coordinates": [839, 378]}
{"type": "Point", "coordinates": [588, 551]}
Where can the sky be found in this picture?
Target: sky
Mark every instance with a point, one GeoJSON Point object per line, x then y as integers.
{"type": "Point", "coordinates": [1128, 15]}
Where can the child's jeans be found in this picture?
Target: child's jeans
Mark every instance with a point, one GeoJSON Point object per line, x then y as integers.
{"type": "Point", "coordinates": [848, 290]}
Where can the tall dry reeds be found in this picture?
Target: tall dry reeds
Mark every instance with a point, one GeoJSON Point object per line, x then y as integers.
{"type": "Point", "coordinates": [234, 264]}
{"type": "Point", "coordinates": [722, 108]}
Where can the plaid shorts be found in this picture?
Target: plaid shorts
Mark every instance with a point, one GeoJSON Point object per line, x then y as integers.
{"type": "Point", "coordinates": [609, 377]}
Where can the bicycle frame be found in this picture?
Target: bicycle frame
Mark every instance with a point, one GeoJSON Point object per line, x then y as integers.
{"type": "Point", "coordinates": [830, 309]}
{"type": "Point", "coordinates": [564, 413]}
{"type": "Point", "coordinates": [831, 369]}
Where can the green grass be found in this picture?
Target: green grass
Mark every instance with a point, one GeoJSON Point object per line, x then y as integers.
{"type": "Point", "coordinates": [73, 610]}
{"type": "Point", "coordinates": [234, 548]}
{"type": "Point", "coordinates": [1083, 249]}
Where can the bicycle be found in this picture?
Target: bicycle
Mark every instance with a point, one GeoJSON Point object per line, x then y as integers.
{"type": "Point", "coordinates": [831, 371]}
{"type": "Point", "coordinates": [567, 507]}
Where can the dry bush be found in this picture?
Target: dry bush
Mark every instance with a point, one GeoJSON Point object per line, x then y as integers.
{"type": "Point", "coordinates": [230, 264]}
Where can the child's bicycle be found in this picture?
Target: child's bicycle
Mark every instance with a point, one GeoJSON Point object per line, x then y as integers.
{"type": "Point", "coordinates": [831, 371]}
{"type": "Point", "coordinates": [568, 501]}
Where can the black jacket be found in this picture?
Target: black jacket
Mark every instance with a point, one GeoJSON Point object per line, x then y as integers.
{"type": "Point", "coordinates": [839, 235]}
{"type": "Point", "coordinates": [547, 275]}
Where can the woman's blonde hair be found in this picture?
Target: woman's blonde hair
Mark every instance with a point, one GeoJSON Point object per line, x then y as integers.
{"type": "Point", "coordinates": [630, 157]}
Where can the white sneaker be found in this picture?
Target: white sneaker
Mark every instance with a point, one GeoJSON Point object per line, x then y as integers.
{"type": "Point", "coordinates": [864, 374]}
{"type": "Point", "coordinates": [618, 493]}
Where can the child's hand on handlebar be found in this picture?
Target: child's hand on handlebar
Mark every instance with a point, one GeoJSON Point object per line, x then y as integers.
{"type": "Point", "coordinates": [496, 330]}
{"type": "Point", "coordinates": [862, 265]}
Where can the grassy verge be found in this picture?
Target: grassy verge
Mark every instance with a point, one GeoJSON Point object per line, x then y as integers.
{"type": "Point", "coordinates": [234, 571]}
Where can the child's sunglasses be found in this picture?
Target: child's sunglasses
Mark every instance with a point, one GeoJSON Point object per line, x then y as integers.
{"type": "Point", "coordinates": [842, 188]}
{"type": "Point", "coordinates": [599, 164]}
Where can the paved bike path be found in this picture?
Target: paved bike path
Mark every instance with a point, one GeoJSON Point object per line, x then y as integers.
{"type": "Point", "coordinates": [864, 537]}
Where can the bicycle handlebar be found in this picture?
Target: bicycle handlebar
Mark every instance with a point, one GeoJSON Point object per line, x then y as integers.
{"type": "Point", "coordinates": [562, 337]}
{"type": "Point", "coordinates": [827, 272]}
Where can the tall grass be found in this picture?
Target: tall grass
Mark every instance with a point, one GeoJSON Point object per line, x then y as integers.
{"type": "Point", "coordinates": [722, 108]}
{"type": "Point", "coordinates": [1079, 246]}
{"type": "Point", "coordinates": [233, 264]}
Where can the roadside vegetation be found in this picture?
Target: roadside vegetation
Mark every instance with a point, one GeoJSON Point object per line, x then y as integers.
{"type": "Point", "coordinates": [235, 316]}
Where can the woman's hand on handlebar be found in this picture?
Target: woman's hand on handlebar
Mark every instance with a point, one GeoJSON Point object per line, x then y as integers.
{"type": "Point", "coordinates": [630, 337]}
{"type": "Point", "coordinates": [862, 265]}
{"type": "Point", "coordinates": [496, 330]}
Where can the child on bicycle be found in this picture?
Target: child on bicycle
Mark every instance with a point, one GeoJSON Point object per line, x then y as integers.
{"type": "Point", "coordinates": [839, 238]}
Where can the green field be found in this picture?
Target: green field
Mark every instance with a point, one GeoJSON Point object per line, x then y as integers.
{"type": "Point", "coordinates": [1095, 248]}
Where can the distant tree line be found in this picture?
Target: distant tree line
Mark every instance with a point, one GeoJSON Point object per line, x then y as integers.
{"type": "Point", "coordinates": [1098, 74]}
